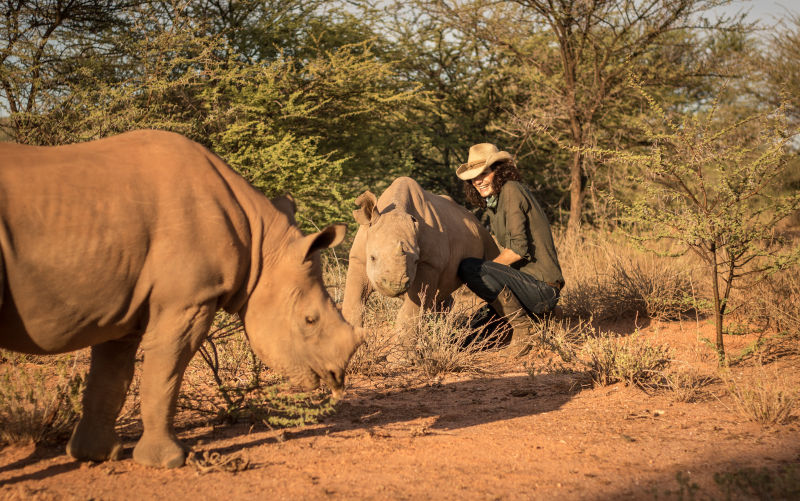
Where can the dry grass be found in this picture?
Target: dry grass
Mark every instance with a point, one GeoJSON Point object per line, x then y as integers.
{"type": "Point", "coordinates": [607, 279]}
{"type": "Point", "coordinates": [764, 397]}
{"type": "Point", "coordinates": [633, 359]}
{"type": "Point", "coordinates": [40, 397]}
{"type": "Point", "coordinates": [688, 385]}
{"type": "Point", "coordinates": [227, 382]}
{"type": "Point", "coordinates": [772, 306]}
{"type": "Point", "coordinates": [445, 342]}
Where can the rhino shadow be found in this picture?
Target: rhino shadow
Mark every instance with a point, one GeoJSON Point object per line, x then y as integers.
{"type": "Point", "coordinates": [453, 406]}
{"type": "Point", "coordinates": [37, 456]}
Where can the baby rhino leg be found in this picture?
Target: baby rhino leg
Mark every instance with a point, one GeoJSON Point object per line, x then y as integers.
{"type": "Point", "coordinates": [168, 347]}
{"type": "Point", "coordinates": [110, 375]}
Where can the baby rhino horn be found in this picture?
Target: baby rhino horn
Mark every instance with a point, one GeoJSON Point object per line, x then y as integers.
{"type": "Point", "coordinates": [399, 249]}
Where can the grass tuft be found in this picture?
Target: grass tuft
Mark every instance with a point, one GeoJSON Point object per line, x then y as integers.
{"type": "Point", "coordinates": [633, 360]}
{"type": "Point", "coordinates": [764, 398]}
{"type": "Point", "coordinates": [40, 397]}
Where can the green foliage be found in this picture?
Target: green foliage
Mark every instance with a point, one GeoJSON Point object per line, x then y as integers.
{"type": "Point", "coordinates": [293, 118]}
{"type": "Point", "coordinates": [40, 397]}
{"type": "Point", "coordinates": [710, 187]}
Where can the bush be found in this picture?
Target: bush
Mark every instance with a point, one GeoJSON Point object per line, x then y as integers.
{"type": "Point", "coordinates": [445, 342]}
{"type": "Point", "coordinates": [763, 398]}
{"type": "Point", "coordinates": [608, 280]}
{"type": "Point", "coordinates": [40, 397]}
{"type": "Point", "coordinates": [245, 389]}
{"type": "Point", "coordinates": [633, 360]}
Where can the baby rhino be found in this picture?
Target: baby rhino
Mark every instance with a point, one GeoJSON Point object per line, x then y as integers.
{"type": "Point", "coordinates": [410, 242]}
{"type": "Point", "coordinates": [134, 242]}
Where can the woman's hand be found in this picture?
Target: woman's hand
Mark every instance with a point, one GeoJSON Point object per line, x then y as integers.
{"type": "Point", "coordinates": [507, 257]}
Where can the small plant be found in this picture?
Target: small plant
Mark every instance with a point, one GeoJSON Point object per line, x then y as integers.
{"type": "Point", "coordinates": [446, 342]}
{"type": "Point", "coordinates": [687, 385]}
{"type": "Point", "coordinates": [783, 483]}
{"type": "Point", "coordinates": [763, 398]}
{"type": "Point", "coordinates": [40, 397]}
{"type": "Point", "coordinates": [244, 387]}
{"type": "Point", "coordinates": [633, 360]}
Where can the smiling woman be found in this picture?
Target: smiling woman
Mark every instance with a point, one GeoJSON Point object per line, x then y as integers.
{"type": "Point", "coordinates": [525, 278]}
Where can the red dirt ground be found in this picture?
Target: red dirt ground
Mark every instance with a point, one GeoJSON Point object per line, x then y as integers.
{"type": "Point", "coordinates": [507, 436]}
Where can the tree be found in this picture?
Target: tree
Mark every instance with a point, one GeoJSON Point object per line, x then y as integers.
{"type": "Point", "coordinates": [572, 57]}
{"type": "Point", "coordinates": [713, 188]}
{"type": "Point", "coordinates": [780, 64]}
{"type": "Point", "coordinates": [41, 42]}
{"type": "Point", "coordinates": [282, 116]}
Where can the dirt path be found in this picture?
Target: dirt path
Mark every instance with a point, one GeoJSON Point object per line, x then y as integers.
{"type": "Point", "coordinates": [508, 436]}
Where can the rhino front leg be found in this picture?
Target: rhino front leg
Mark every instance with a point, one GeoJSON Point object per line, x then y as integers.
{"type": "Point", "coordinates": [357, 287]}
{"type": "Point", "coordinates": [168, 348]}
{"type": "Point", "coordinates": [110, 374]}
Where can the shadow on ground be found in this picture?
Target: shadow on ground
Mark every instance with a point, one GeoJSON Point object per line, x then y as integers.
{"type": "Point", "coordinates": [453, 405]}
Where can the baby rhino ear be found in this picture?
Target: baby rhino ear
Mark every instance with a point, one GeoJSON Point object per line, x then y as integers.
{"type": "Point", "coordinates": [368, 212]}
{"type": "Point", "coordinates": [331, 236]}
{"type": "Point", "coordinates": [285, 203]}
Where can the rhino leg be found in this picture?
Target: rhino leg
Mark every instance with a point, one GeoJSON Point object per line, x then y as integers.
{"type": "Point", "coordinates": [168, 347]}
{"type": "Point", "coordinates": [110, 374]}
{"type": "Point", "coordinates": [357, 288]}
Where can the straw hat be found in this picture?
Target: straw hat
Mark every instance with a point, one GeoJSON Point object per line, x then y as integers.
{"type": "Point", "coordinates": [481, 157]}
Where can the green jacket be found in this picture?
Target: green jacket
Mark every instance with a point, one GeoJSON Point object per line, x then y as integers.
{"type": "Point", "coordinates": [519, 223]}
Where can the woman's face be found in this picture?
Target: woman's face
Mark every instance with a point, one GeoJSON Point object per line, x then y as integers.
{"type": "Point", "coordinates": [484, 183]}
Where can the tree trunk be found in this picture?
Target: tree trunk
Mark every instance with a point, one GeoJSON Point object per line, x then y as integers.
{"type": "Point", "coordinates": [718, 312]}
{"type": "Point", "coordinates": [576, 194]}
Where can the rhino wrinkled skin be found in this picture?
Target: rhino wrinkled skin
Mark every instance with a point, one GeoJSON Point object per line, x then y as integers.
{"type": "Point", "coordinates": [136, 241]}
{"type": "Point", "coordinates": [410, 242]}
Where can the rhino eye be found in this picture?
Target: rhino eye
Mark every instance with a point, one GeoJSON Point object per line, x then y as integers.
{"type": "Point", "coordinates": [311, 320]}
{"type": "Point", "coordinates": [372, 258]}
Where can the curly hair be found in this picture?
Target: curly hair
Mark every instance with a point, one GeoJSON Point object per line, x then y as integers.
{"type": "Point", "coordinates": [503, 172]}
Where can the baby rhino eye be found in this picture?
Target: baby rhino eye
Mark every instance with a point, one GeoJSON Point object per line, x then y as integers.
{"type": "Point", "coordinates": [311, 320]}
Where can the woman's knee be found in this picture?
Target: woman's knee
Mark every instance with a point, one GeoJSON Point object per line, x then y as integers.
{"type": "Point", "coordinates": [469, 268]}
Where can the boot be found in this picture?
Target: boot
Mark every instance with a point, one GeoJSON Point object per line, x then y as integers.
{"type": "Point", "coordinates": [507, 305]}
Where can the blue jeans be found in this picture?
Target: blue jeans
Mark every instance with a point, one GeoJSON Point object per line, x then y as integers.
{"type": "Point", "coordinates": [487, 278]}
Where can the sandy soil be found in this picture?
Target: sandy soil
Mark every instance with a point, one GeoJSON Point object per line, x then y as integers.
{"type": "Point", "coordinates": [508, 436]}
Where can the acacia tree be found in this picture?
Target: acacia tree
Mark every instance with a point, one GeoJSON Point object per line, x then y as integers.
{"type": "Point", "coordinates": [779, 63]}
{"type": "Point", "coordinates": [714, 188]}
{"type": "Point", "coordinates": [280, 116]}
{"type": "Point", "coordinates": [41, 43]}
{"type": "Point", "coordinates": [572, 57]}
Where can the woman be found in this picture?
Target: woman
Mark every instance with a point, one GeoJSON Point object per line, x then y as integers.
{"type": "Point", "coordinates": [525, 278]}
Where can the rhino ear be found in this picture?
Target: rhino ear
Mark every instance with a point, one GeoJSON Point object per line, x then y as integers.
{"type": "Point", "coordinates": [331, 236]}
{"type": "Point", "coordinates": [368, 213]}
{"type": "Point", "coordinates": [285, 203]}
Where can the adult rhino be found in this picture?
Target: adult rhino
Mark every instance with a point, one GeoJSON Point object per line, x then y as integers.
{"type": "Point", "coordinates": [410, 242]}
{"type": "Point", "coordinates": [136, 241]}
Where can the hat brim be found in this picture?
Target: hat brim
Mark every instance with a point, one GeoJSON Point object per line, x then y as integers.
{"type": "Point", "coordinates": [469, 171]}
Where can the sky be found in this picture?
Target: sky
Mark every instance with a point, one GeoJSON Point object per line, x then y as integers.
{"type": "Point", "coordinates": [767, 11]}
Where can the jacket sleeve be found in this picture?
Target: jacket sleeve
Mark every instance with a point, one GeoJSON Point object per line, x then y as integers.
{"type": "Point", "coordinates": [519, 235]}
